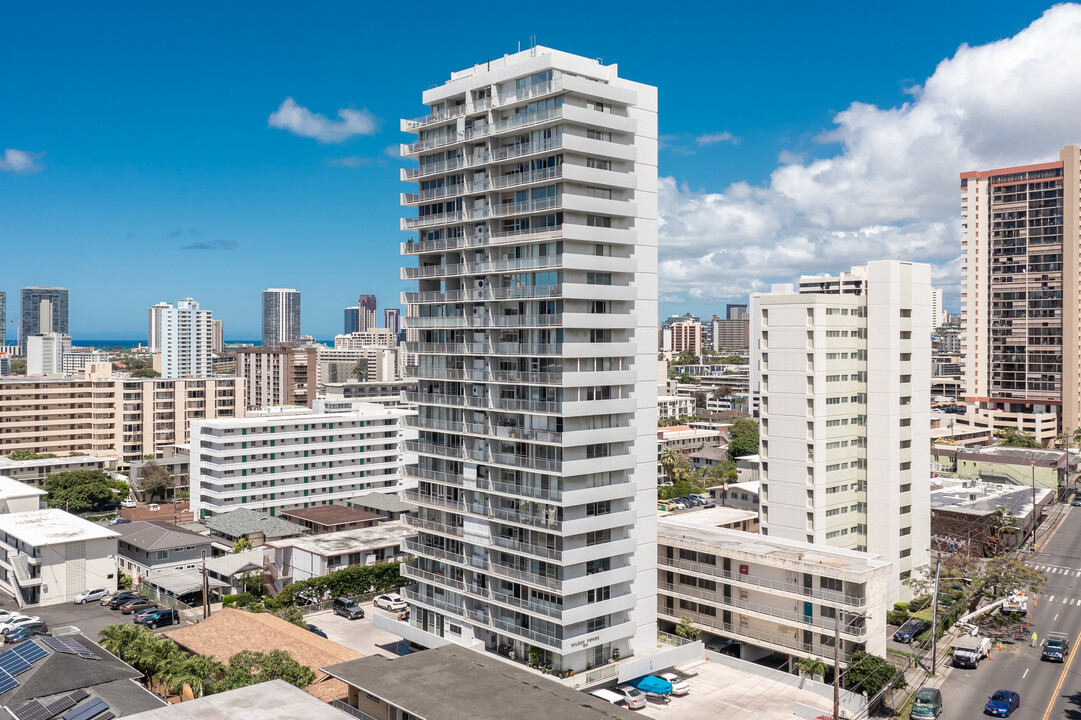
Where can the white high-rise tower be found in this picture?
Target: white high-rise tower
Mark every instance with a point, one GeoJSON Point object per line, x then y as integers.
{"type": "Point", "coordinates": [153, 326]}
{"type": "Point", "coordinates": [534, 331]}
{"type": "Point", "coordinates": [187, 341]}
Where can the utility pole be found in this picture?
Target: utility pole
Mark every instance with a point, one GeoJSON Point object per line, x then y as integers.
{"type": "Point", "coordinates": [1035, 509]}
{"type": "Point", "coordinates": [836, 664]}
{"type": "Point", "coordinates": [934, 617]}
{"type": "Point", "coordinates": [206, 600]}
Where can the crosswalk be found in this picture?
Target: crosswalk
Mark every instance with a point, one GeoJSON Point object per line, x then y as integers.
{"type": "Point", "coordinates": [1063, 572]}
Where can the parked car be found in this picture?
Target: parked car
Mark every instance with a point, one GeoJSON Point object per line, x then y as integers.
{"type": "Point", "coordinates": [676, 504]}
{"type": "Point", "coordinates": [118, 521]}
{"type": "Point", "coordinates": [636, 699]}
{"type": "Point", "coordinates": [123, 599]}
{"type": "Point", "coordinates": [927, 705]}
{"type": "Point", "coordinates": [159, 617]}
{"type": "Point", "coordinates": [1076, 501]}
{"type": "Point", "coordinates": [724, 646]}
{"type": "Point", "coordinates": [909, 631]}
{"type": "Point", "coordinates": [139, 603]}
{"type": "Point", "coordinates": [5, 614]}
{"type": "Point", "coordinates": [128, 503]}
{"type": "Point", "coordinates": [139, 615]}
{"type": "Point", "coordinates": [90, 595]}
{"type": "Point", "coordinates": [679, 685]}
{"type": "Point", "coordinates": [108, 599]}
{"type": "Point", "coordinates": [609, 696]}
{"type": "Point", "coordinates": [1002, 703]}
{"type": "Point", "coordinates": [26, 632]}
{"type": "Point", "coordinates": [317, 631]}
{"type": "Point", "coordinates": [19, 622]}
{"type": "Point", "coordinates": [391, 601]}
{"type": "Point", "coordinates": [347, 608]}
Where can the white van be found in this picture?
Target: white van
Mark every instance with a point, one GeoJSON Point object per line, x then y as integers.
{"type": "Point", "coordinates": [609, 696]}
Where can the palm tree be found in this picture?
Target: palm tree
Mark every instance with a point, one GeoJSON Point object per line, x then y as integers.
{"type": "Point", "coordinates": [195, 671]}
{"type": "Point", "coordinates": [812, 666]}
{"type": "Point", "coordinates": [119, 639]}
{"type": "Point", "coordinates": [668, 461]}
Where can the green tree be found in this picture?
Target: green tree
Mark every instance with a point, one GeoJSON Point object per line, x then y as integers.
{"type": "Point", "coordinates": [1015, 437]}
{"type": "Point", "coordinates": [155, 480]}
{"type": "Point", "coordinates": [79, 490]}
{"type": "Point", "coordinates": [292, 614]}
{"type": "Point", "coordinates": [676, 465]}
{"type": "Point", "coordinates": [241, 545]}
{"type": "Point", "coordinates": [812, 666]}
{"type": "Point", "coordinates": [347, 582]}
{"type": "Point", "coordinates": [146, 373]}
{"type": "Point", "coordinates": [19, 455]}
{"type": "Point", "coordinates": [250, 668]}
{"type": "Point", "coordinates": [118, 639]}
{"type": "Point", "coordinates": [687, 628]}
{"type": "Point", "coordinates": [686, 357]}
{"type": "Point", "coordinates": [743, 438]}
{"type": "Point", "coordinates": [871, 673]}
{"type": "Point", "coordinates": [359, 372]}
{"type": "Point", "coordinates": [196, 671]}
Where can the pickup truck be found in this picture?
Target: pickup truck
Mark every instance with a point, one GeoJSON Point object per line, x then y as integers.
{"type": "Point", "coordinates": [968, 651]}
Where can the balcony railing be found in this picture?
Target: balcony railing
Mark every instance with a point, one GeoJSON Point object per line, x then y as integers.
{"type": "Point", "coordinates": [483, 295]}
{"type": "Point", "coordinates": [792, 587]}
{"type": "Point", "coordinates": [433, 118]}
{"type": "Point", "coordinates": [350, 710]}
{"type": "Point", "coordinates": [530, 91]}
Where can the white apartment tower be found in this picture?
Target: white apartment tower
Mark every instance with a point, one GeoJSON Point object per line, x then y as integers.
{"type": "Point", "coordinates": [843, 373]}
{"type": "Point", "coordinates": [153, 326]}
{"type": "Point", "coordinates": [45, 353]}
{"type": "Point", "coordinates": [533, 330]}
{"type": "Point", "coordinates": [187, 341]}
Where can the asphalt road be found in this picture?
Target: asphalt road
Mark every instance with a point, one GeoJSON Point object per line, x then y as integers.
{"type": "Point", "coordinates": [1049, 691]}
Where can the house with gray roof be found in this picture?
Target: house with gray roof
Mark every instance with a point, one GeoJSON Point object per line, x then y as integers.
{"type": "Point", "coordinates": [145, 548]}
{"type": "Point", "coordinates": [389, 505]}
{"type": "Point", "coordinates": [243, 524]}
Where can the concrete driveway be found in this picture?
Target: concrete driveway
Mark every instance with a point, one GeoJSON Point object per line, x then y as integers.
{"type": "Point", "coordinates": [360, 635]}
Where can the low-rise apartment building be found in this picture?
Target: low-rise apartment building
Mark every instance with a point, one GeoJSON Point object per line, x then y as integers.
{"type": "Point", "coordinates": [283, 462]}
{"type": "Point", "coordinates": [34, 472]}
{"type": "Point", "coordinates": [107, 416]}
{"type": "Point", "coordinates": [769, 594]}
{"type": "Point", "coordinates": [226, 529]}
{"type": "Point", "coordinates": [674, 406]}
{"type": "Point", "coordinates": [50, 556]}
{"type": "Point", "coordinates": [17, 497]}
{"type": "Point", "coordinates": [148, 548]}
{"type": "Point", "coordinates": [388, 393]}
{"type": "Point", "coordinates": [339, 365]}
{"type": "Point", "coordinates": [331, 518]}
{"type": "Point", "coordinates": [304, 557]}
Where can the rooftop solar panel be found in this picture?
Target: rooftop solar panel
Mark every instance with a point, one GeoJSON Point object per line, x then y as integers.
{"type": "Point", "coordinates": [7, 682]}
{"type": "Point", "coordinates": [87, 710]}
{"type": "Point", "coordinates": [30, 651]}
{"type": "Point", "coordinates": [70, 647]}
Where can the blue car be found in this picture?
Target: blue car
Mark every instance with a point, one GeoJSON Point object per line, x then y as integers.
{"type": "Point", "coordinates": [909, 631]}
{"type": "Point", "coordinates": [1002, 703]}
{"type": "Point", "coordinates": [317, 631]}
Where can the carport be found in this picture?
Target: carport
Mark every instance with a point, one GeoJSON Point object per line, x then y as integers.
{"type": "Point", "coordinates": [181, 588]}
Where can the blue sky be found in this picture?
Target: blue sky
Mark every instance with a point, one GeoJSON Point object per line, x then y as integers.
{"type": "Point", "coordinates": [137, 163]}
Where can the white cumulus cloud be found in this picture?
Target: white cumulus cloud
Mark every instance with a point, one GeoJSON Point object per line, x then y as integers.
{"type": "Point", "coordinates": [891, 190]}
{"type": "Point", "coordinates": [301, 121]}
{"type": "Point", "coordinates": [710, 138]}
{"type": "Point", "coordinates": [20, 162]}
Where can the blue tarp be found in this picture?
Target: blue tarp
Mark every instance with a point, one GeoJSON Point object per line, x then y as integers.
{"type": "Point", "coordinates": [652, 684]}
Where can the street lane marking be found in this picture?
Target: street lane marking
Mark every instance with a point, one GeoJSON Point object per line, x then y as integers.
{"type": "Point", "coordinates": [1051, 599]}
{"type": "Point", "coordinates": [1056, 618]}
{"type": "Point", "coordinates": [1025, 675]}
{"type": "Point", "coordinates": [1058, 686]}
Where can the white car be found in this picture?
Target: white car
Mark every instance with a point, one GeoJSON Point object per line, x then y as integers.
{"type": "Point", "coordinates": [391, 601]}
{"type": "Point", "coordinates": [679, 685]}
{"type": "Point", "coordinates": [16, 622]}
{"type": "Point", "coordinates": [128, 503]}
{"type": "Point", "coordinates": [90, 595]}
{"type": "Point", "coordinates": [636, 699]}
{"type": "Point", "coordinates": [5, 615]}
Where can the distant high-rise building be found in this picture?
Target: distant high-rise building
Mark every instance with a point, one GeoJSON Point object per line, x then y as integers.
{"type": "Point", "coordinates": [278, 375]}
{"type": "Point", "coordinates": [44, 310]}
{"type": "Point", "coordinates": [735, 311]}
{"type": "Point", "coordinates": [45, 353]}
{"type": "Point", "coordinates": [153, 326]}
{"type": "Point", "coordinates": [218, 333]}
{"type": "Point", "coordinates": [936, 308]}
{"type": "Point", "coordinates": [537, 526]}
{"type": "Point", "coordinates": [367, 306]}
{"type": "Point", "coordinates": [3, 318]}
{"type": "Point", "coordinates": [1021, 300]}
{"type": "Point", "coordinates": [842, 374]}
{"type": "Point", "coordinates": [392, 320]}
{"type": "Point", "coordinates": [352, 320]}
{"type": "Point", "coordinates": [281, 316]}
{"type": "Point", "coordinates": [186, 341]}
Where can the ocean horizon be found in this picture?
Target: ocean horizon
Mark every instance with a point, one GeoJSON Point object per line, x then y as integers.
{"type": "Point", "coordinates": [106, 344]}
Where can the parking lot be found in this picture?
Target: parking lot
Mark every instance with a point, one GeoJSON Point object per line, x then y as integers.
{"type": "Point", "coordinates": [360, 635]}
{"type": "Point", "coordinates": [720, 691]}
{"type": "Point", "coordinates": [89, 618]}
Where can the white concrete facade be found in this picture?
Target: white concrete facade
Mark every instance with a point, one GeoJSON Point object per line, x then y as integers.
{"type": "Point", "coordinates": [50, 556]}
{"type": "Point", "coordinates": [533, 331]}
{"type": "Point", "coordinates": [284, 462]}
{"type": "Point", "coordinates": [187, 341]}
{"type": "Point", "coordinates": [770, 594]}
{"type": "Point", "coordinates": [45, 353]}
{"type": "Point", "coordinates": [843, 373]}
{"type": "Point", "coordinates": [154, 326]}
{"type": "Point", "coordinates": [675, 406]}
{"type": "Point", "coordinates": [309, 556]}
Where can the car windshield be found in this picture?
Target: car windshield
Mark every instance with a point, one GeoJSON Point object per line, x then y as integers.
{"type": "Point", "coordinates": [923, 704]}
{"type": "Point", "coordinates": [1054, 644]}
{"type": "Point", "coordinates": [1001, 697]}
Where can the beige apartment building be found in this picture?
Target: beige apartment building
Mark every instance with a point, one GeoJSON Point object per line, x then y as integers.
{"type": "Point", "coordinates": [279, 375]}
{"type": "Point", "coordinates": [109, 416]}
{"type": "Point", "coordinates": [1020, 305]}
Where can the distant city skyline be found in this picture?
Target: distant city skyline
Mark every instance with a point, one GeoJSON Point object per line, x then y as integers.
{"type": "Point", "coordinates": [292, 179]}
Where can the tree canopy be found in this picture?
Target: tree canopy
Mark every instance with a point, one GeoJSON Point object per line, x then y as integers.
{"type": "Point", "coordinates": [248, 667]}
{"type": "Point", "coordinates": [1015, 437]}
{"type": "Point", "coordinates": [743, 438]}
{"type": "Point", "coordinates": [870, 673]}
{"type": "Point", "coordinates": [154, 479]}
{"type": "Point", "coordinates": [28, 455]}
{"type": "Point", "coordinates": [146, 373]}
{"type": "Point", "coordinates": [356, 580]}
{"type": "Point", "coordinates": [80, 490]}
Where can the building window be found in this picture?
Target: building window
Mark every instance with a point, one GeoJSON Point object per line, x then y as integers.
{"type": "Point", "coordinates": [598, 221]}
{"type": "Point", "coordinates": [598, 164]}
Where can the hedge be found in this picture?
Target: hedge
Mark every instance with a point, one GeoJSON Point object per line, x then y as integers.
{"type": "Point", "coordinates": [357, 580]}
